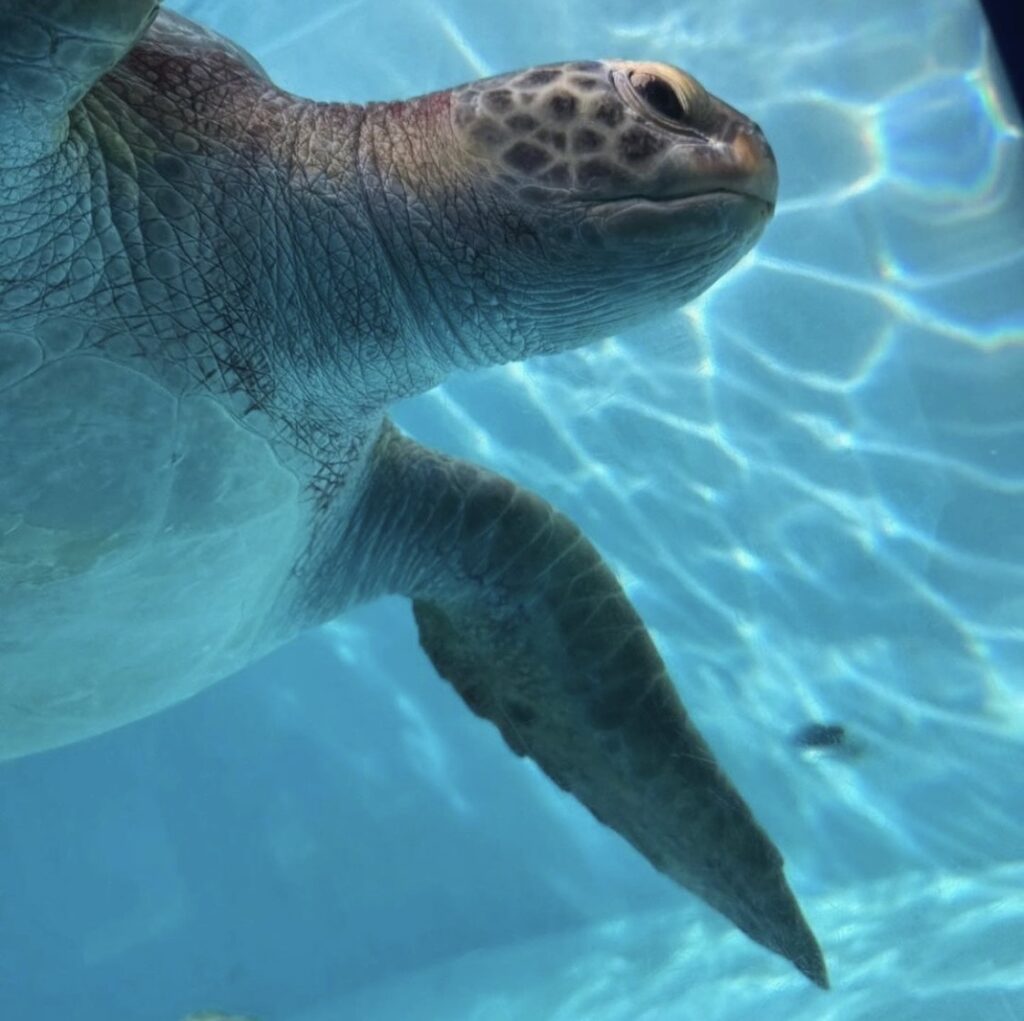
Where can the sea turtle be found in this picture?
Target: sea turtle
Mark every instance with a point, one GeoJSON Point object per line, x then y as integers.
{"type": "Point", "coordinates": [211, 290]}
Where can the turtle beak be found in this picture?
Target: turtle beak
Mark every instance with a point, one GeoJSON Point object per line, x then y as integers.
{"type": "Point", "coordinates": [736, 159]}
{"type": "Point", "coordinates": [749, 166]}
{"type": "Point", "coordinates": [731, 155]}
{"type": "Point", "coordinates": [726, 181]}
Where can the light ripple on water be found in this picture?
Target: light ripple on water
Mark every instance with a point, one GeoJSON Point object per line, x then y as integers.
{"type": "Point", "coordinates": [642, 968]}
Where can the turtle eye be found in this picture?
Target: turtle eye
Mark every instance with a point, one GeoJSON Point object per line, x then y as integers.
{"type": "Point", "coordinates": [658, 95]}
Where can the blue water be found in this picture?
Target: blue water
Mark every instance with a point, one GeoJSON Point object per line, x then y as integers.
{"type": "Point", "coordinates": [812, 484]}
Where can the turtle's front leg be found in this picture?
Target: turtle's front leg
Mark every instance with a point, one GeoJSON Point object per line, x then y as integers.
{"type": "Point", "coordinates": [519, 612]}
{"type": "Point", "coordinates": [51, 54]}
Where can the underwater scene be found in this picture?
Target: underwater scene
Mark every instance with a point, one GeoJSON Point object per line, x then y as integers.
{"type": "Point", "coordinates": [809, 482]}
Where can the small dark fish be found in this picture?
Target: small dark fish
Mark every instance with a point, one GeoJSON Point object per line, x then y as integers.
{"type": "Point", "coordinates": [820, 735]}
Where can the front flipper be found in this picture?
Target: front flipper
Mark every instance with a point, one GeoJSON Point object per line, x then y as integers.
{"type": "Point", "coordinates": [519, 612]}
{"type": "Point", "coordinates": [51, 54]}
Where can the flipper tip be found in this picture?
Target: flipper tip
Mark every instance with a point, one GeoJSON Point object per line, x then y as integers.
{"type": "Point", "coordinates": [813, 966]}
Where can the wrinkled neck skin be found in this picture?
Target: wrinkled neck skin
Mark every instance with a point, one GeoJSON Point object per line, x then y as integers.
{"type": "Point", "coordinates": [252, 242]}
{"type": "Point", "coordinates": [448, 256]}
{"type": "Point", "coordinates": [401, 268]}
{"type": "Point", "coordinates": [460, 249]}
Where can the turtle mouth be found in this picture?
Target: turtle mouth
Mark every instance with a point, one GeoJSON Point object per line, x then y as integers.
{"type": "Point", "coordinates": [715, 212]}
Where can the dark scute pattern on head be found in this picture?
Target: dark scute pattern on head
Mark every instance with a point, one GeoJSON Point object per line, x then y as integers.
{"type": "Point", "coordinates": [638, 143]}
{"type": "Point", "coordinates": [552, 138]}
{"type": "Point", "coordinates": [562, 106]}
{"type": "Point", "coordinates": [538, 77]}
{"type": "Point", "coordinates": [585, 140]}
{"type": "Point", "coordinates": [526, 157]}
{"type": "Point", "coordinates": [549, 130]}
{"type": "Point", "coordinates": [521, 122]}
{"type": "Point", "coordinates": [489, 132]}
{"type": "Point", "coordinates": [498, 100]}
{"type": "Point", "coordinates": [610, 112]}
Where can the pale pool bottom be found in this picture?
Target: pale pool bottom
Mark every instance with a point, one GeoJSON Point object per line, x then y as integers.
{"type": "Point", "coordinates": [919, 947]}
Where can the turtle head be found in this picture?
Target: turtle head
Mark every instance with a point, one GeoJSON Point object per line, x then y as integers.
{"type": "Point", "coordinates": [630, 187]}
{"type": "Point", "coordinates": [560, 203]}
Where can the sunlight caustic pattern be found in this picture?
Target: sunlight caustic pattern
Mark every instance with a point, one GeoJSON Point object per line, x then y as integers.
{"type": "Point", "coordinates": [628, 970]}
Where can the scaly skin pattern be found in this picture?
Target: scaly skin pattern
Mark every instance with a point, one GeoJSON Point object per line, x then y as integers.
{"type": "Point", "coordinates": [210, 291]}
{"type": "Point", "coordinates": [163, 370]}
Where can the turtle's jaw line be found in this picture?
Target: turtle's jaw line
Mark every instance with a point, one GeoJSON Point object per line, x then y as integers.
{"type": "Point", "coordinates": [718, 210]}
{"type": "Point", "coordinates": [687, 200]}
{"type": "Point", "coordinates": [757, 203]}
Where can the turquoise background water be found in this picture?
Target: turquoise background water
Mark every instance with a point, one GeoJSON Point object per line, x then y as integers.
{"type": "Point", "coordinates": [811, 483]}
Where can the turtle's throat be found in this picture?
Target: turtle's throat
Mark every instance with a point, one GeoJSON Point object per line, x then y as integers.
{"type": "Point", "coordinates": [440, 238]}
{"type": "Point", "coordinates": [355, 265]}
